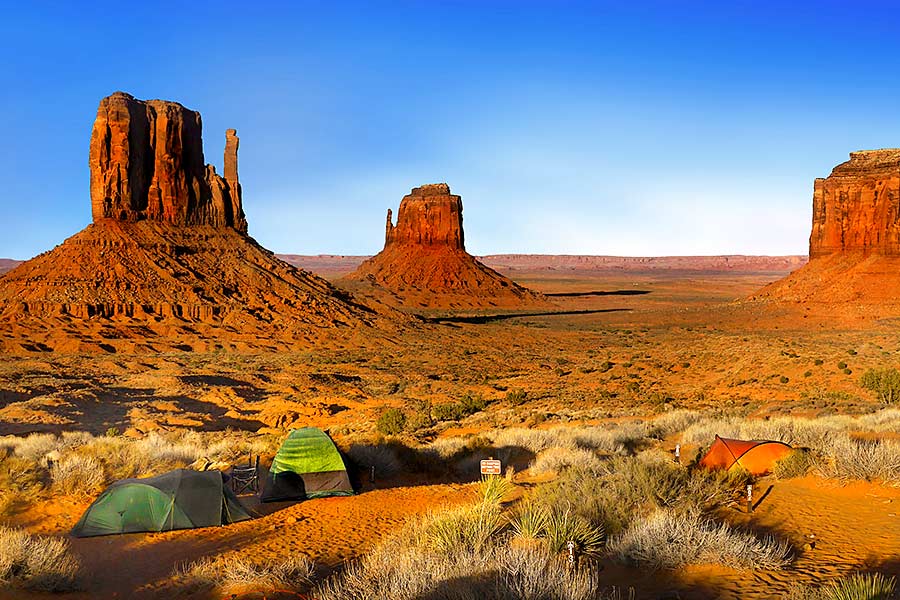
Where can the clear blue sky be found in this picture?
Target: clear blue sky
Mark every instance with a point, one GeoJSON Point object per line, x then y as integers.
{"type": "Point", "coordinates": [634, 128]}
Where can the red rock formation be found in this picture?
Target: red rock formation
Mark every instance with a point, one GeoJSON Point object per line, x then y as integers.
{"type": "Point", "coordinates": [429, 216]}
{"type": "Point", "coordinates": [146, 160]}
{"type": "Point", "coordinates": [857, 208]}
{"type": "Point", "coordinates": [424, 262]}
{"type": "Point", "coordinates": [167, 262]}
{"type": "Point", "coordinates": [854, 246]}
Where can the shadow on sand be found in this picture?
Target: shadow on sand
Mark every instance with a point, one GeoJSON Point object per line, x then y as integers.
{"type": "Point", "coordinates": [481, 319]}
{"type": "Point", "coordinates": [597, 293]}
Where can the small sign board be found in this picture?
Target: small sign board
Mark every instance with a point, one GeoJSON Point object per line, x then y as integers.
{"type": "Point", "coordinates": [490, 467]}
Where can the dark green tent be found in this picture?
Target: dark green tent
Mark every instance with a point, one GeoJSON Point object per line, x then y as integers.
{"type": "Point", "coordinates": [308, 465]}
{"type": "Point", "coordinates": [180, 499]}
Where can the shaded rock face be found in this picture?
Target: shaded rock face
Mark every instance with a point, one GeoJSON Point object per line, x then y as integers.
{"type": "Point", "coordinates": [146, 160]}
{"type": "Point", "coordinates": [429, 216]}
{"type": "Point", "coordinates": [857, 208]}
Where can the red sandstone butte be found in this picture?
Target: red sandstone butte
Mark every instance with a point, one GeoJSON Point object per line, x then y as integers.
{"type": "Point", "coordinates": [429, 216]}
{"type": "Point", "coordinates": [857, 207]}
{"type": "Point", "coordinates": [167, 263]}
{"type": "Point", "coordinates": [424, 262]}
{"type": "Point", "coordinates": [146, 160]}
{"type": "Point", "coordinates": [854, 246]}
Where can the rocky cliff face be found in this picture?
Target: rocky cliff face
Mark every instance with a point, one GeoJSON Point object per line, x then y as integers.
{"type": "Point", "coordinates": [857, 207]}
{"type": "Point", "coordinates": [854, 247]}
{"type": "Point", "coordinates": [146, 160]}
{"type": "Point", "coordinates": [429, 216]}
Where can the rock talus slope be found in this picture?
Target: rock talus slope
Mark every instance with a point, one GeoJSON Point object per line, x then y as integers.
{"type": "Point", "coordinates": [167, 261]}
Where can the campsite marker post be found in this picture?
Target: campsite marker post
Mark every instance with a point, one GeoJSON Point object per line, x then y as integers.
{"type": "Point", "coordinates": [678, 453]}
{"type": "Point", "coordinates": [570, 545]}
{"type": "Point", "coordinates": [372, 475]}
{"type": "Point", "coordinates": [749, 497]}
{"type": "Point", "coordinates": [491, 467]}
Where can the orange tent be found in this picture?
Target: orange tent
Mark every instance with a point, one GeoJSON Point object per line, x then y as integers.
{"type": "Point", "coordinates": [757, 457]}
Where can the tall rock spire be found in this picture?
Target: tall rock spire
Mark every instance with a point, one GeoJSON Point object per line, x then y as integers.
{"type": "Point", "coordinates": [146, 160]}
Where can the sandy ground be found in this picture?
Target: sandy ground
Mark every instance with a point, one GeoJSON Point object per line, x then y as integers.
{"type": "Point", "coordinates": [616, 345]}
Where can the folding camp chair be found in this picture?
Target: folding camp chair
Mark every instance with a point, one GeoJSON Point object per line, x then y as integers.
{"type": "Point", "coordinates": [245, 478]}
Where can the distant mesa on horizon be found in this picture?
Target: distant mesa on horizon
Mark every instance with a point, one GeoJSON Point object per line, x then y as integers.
{"type": "Point", "coordinates": [167, 263]}
{"type": "Point", "coordinates": [854, 244]}
{"type": "Point", "coordinates": [424, 263]}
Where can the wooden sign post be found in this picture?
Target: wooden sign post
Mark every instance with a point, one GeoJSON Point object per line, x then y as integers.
{"type": "Point", "coordinates": [491, 467]}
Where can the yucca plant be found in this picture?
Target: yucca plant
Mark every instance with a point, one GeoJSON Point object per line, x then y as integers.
{"type": "Point", "coordinates": [563, 527]}
{"type": "Point", "coordinates": [493, 489]}
{"type": "Point", "coordinates": [863, 586]}
{"type": "Point", "coordinates": [530, 521]}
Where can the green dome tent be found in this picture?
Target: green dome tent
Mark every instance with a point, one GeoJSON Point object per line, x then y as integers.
{"type": "Point", "coordinates": [180, 499]}
{"type": "Point", "coordinates": [308, 465]}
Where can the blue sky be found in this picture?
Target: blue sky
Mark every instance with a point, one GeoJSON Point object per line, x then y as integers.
{"type": "Point", "coordinates": [632, 128]}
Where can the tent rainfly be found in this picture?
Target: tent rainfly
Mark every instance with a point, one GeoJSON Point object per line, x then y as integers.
{"type": "Point", "coordinates": [179, 499]}
{"type": "Point", "coordinates": [758, 457]}
{"type": "Point", "coordinates": [308, 465]}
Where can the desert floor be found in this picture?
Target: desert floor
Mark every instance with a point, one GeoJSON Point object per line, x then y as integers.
{"type": "Point", "coordinates": [619, 345]}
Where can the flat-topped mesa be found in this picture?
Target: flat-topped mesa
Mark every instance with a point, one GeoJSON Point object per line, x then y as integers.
{"type": "Point", "coordinates": [146, 161]}
{"type": "Point", "coordinates": [857, 208]}
{"type": "Point", "coordinates": [429, 216]}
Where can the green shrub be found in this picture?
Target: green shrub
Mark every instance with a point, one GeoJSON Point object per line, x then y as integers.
{"type": "Point", "coordinates": [391, 422]}
{"type": "Point", "coordinates": [418, 420]}
{"type": "Point", "coordinates": [884, 382]}
{"type": "Point", "coordinates": [516, 397]}
{"type": "Point", "coordinates": [796, 464]}
{"type": "Point", "coordinates": [449, 411]}
{"type": "Point", "coordinates": [818, 362]}
{"type": "Point", "coordinates": [784, 379]}
{"type": "Point", "coordinates": [842, 365]}
{"type": "Point", "coordinates": [471, 404]}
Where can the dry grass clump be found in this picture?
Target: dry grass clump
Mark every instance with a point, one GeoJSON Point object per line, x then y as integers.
{"type": "Point", "coordinates": [615, 439]}
{"type": "Point", "coordinates": [816, 433]}
{"type": "Point", "coordinates": [20, 480]}
{"type": "Point", "coordinates": [869, 460]}
{"type": "Point", "coordinates": [37, 562]}
{"type": "Point", "coordinates": [77, 474]}
{"type": "Point", "coordinates": [227, 574]}
{"type": "Point", "coordinates": [670, 539]}
{"type": "Point", "coordinates": [673, 422]}
{"type": "Point", "coordinates": [554, 460]}
{"type": "Point", "coordinates": [628, 488]}
{"type": "Point", "coordinates": [397, 571]}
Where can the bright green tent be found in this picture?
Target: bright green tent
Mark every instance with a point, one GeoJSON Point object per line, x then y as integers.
{"type": "Point", "coordinates": [308, 465]}
{"type": "Point", "coordinates": [180, 499]}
